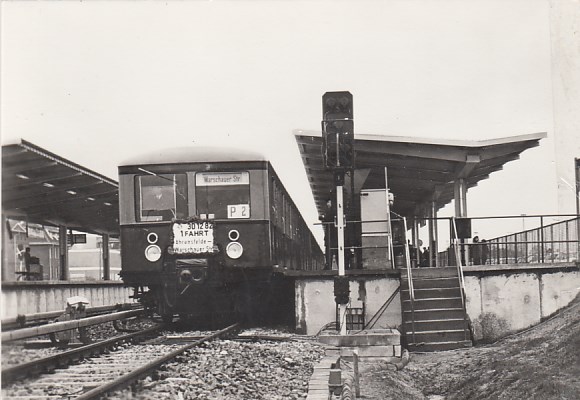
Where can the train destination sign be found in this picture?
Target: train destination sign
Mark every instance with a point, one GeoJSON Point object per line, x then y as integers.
{"type": "Point", "coordinates": [193, 237]}
{"type": "Point", "coordinates": [222, 178]}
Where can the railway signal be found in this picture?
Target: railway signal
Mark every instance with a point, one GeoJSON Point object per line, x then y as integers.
{"type": "Point", "coordinates": [338, 154]}
{"type": "Point", "coordinates": [337, 105]}
{"type": "Point", "coordinates": [338, 144]}
{"type": "Point", "coordinates": [338, 130]}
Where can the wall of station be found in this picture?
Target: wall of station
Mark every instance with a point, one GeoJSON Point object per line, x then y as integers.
{"type": "Point", "coordinates": [315, 306]}
{"type": "Point", "coordinates": [36, 297]}
{"type": "Point", "coordinates": [500, 301]}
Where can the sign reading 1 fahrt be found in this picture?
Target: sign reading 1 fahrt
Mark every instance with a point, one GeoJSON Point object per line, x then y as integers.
{"type": "Point", "coordinates": [194, 237]}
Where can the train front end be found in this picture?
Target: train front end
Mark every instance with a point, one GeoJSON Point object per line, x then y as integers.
{"type": "Point", "coordinates": [194, 235]}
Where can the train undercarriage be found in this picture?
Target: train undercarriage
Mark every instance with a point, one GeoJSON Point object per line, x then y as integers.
{"type": "Point", "coordinates": [256, 296]}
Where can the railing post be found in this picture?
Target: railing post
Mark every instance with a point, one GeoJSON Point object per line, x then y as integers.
{"type": "Point", "coordinates": [506, 250]}
{"type": "Point", "coordinates": [516, 247]}
{"type": "Point", "coordinates": [542, 239]}
{"type": "Point", "coordinates": [567, 243]}
{"type": "Point", "coordinates": [526, 244]}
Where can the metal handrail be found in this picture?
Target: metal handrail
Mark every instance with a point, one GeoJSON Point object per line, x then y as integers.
{"type": "Point", "coordinates": [460, 271]}
{"type": "Point", "coordinates": [459, 264]}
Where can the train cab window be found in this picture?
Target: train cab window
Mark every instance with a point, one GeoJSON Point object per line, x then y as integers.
{"type": "Point", "coordinates": [223, 195]}
{"type": "Point", "coordinates": [161, 197]}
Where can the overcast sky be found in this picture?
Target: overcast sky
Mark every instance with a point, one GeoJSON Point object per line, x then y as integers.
{"type": "Point", "coordinates": [97, 82]}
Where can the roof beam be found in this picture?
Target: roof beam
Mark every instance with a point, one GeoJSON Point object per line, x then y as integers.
{"type": "Point", "coordinates": [465, 169]}
{"type": "Point", "coordinates": [23, 168]}
{"type": "Point", "coordinates": [25, 193]}
{"type": "Point", "coordinates": [58, 198]}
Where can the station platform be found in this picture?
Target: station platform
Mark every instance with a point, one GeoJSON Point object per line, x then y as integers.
{"type": "Point", "coordinates": [33, 297]}
{"type": "Point", "coordinates": [499, 299]}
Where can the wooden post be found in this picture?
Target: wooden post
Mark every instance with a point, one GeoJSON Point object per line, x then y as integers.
{"type": "Point", "coordinates": [356, 374]}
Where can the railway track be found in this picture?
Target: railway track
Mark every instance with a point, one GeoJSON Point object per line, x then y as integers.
{"type": "Point", "coordinates": [29, 320]}
{"type": "Point", "coordinates": [97, 376]}
{"type": "Point", "coordinates": [56, 327]}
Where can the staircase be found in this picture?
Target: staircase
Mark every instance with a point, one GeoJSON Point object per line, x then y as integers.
{"type": "Point", "coordinates": [437, 319]}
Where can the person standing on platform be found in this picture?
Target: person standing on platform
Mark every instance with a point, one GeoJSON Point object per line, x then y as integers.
{"type": "Point", "coordinates": [476, 251]}
{"type": "Point", "coordinates": [484, 251]}
{"type": "Point", "coordinates": [424, 257]}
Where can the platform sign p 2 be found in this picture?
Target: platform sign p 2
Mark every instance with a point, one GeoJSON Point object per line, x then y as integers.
{"type": "Point", "coordinates": [238, 211]}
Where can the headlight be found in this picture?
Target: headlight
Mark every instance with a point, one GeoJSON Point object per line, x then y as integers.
{"type": "Point", "coordinates": [152, 238]}
{"type": "Point", "coordinates": [234, 250]}
{"type": "Point", "coordinates": [153, 253]}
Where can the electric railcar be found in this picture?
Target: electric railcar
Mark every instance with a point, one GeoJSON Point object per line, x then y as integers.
{"type": "Point", "coordinates": [205, 231]}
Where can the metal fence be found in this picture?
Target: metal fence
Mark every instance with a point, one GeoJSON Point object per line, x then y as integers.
{"type": "Point", "coordinates": [557, 242]}
{"type": "Point", "coordinates": [547, 243]}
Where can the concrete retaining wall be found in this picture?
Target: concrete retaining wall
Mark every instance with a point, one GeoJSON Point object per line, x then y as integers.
{"type": "Point", "coordinates": [36, 297]}
{"type": "Point", "coordinates": [500, 299]}
{"type": "Point", "coordinates": [315, 305]}
{"type": "Point", "coordinates": [503, 300]}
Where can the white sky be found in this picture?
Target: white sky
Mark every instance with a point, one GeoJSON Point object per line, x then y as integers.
{"type": "Point", "coordinates": [98, 82]}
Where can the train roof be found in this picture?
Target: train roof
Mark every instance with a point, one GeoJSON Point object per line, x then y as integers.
{"type": "Point", "coordinates": [195, 154]}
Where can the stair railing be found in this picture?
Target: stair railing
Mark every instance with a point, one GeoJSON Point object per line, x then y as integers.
{"type": "Point", "coordinates": [408, 263]}
{"type": "Point", "coordinates": [410, 276]}
{"type": "Point", "coordinates": [459, 269]}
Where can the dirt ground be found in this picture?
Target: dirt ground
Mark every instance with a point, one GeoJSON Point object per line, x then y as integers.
{"type": "Point", "coordinates": [539, 363]}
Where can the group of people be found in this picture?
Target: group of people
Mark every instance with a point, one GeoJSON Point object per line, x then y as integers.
{"type": "Point", "coordinates": [479, 251]}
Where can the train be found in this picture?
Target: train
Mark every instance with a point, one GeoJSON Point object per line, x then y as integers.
{"type": "Point", "coordinates": [208, 232]}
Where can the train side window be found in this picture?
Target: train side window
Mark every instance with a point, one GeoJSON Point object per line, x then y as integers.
{"type": "Point", "coordinates": [226, 195]}
{"type": "Point", "coordinates": [161, 197]}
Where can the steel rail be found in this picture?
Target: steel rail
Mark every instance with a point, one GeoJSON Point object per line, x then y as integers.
{"type": "Point", "coordinates": [23, 319]}
{"type": "Point", "coordinates": [141, 372]}
{"type": "Point", "coordinates": [37, 367]}
{"type": "Point", "coordinates": [65, 325]}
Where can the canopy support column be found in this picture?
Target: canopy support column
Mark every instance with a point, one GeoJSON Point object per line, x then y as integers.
{"type": "Point", "coordinates": [63, 251]}
{"type": "Point", "coordinates": [106, 259]}
{"type": "Point", "coordinates": [460, 194]}
{"type": "Point", "coordinates": [433, 234]}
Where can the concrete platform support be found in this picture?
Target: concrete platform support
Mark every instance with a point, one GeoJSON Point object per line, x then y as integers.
{"type": "Point", "coordinates": [315, 306]}
{"type": "Point", "coordinates": [378, 344]}
{"type": "Point", "coordinates": [36, 297]}
{"type": "Point", "coordinates": [500, 299]}
{"type": "Point", "coordinates": [504, 300]}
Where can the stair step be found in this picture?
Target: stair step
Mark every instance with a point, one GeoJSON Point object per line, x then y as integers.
{"type": "Point", "coordinates": [440, 346]}
{"type": "Point", "coordinates": [431, 272]}
{"type": "Point", "coordinates": [433, 303]}
{"type": "Point", "coordinates": [437, 324]}
{"type": "Point", "coordinates": [431, 283]}
{"type": "Point", "coordinates": [434, 314]}
{"type": "Point", "coordinates": [437, 336]}
{"type": "Point", "coordinates": [432, 293]}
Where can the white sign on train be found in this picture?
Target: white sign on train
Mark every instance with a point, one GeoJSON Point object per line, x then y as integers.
{"type": "Point", "coordinates": [222, 178]}
{"type": "Point", "coordinates": [239, 211]}
{"type": "Point", "coordinates": [193, 237]}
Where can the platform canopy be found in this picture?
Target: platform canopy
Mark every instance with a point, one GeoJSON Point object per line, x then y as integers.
{"type": "Point", "coordinates": [420, 170]}
{"type": "Point", "coordinates": [41, 187]}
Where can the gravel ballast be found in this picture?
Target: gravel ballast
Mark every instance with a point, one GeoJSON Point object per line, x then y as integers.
{"type": "Point", "coordinates": [236, 370]}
